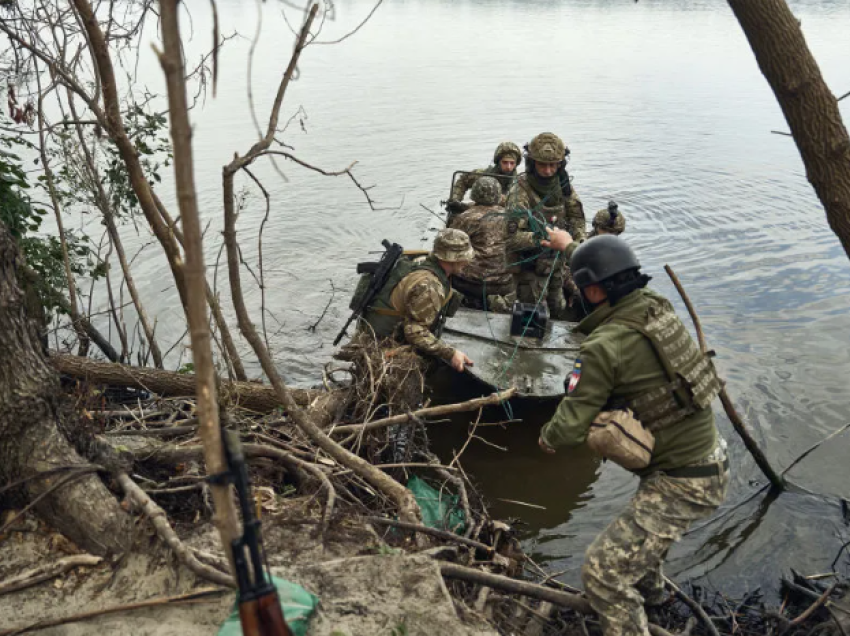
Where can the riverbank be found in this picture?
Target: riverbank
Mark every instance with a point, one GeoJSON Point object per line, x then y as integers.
{"type": "Point", "coordinates": [459, 572]}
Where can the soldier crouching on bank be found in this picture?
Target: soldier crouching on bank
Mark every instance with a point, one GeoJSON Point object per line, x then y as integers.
{"type": "Point", "coordinates": [486, 282]}
{"type": "Point", "coordinates": [637, 371]}
{"type": "Point", "coordinates": [414, 302]}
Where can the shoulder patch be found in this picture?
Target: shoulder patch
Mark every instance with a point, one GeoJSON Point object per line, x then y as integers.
{"type": "Point", "coordinates": [575, 376]}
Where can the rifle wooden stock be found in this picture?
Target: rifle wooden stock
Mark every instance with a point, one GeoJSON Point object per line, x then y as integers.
{"type": "Point", "coordinates": [263, 617]}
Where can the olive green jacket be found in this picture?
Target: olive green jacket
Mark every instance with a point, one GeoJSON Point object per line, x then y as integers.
{"type": "Point", "coordinates": [615, 361]}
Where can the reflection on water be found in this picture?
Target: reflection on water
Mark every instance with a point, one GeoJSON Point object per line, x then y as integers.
{"type": "Point", "coordinates": [664, 109]}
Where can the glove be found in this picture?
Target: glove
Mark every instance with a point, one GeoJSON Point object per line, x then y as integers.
{"type": "Point", "coordinates": [456, 207]}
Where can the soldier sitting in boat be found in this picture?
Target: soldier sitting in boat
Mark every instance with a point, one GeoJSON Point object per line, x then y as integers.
{"type": "Point", "coordinates": [485, 282]}
{"type": "Point", "coordinates": [542, 196]}
{"type": "Point", "coordinates": [413, 303]}
{"type": "Point", "coordinates": [505, 161]}
{"type": "Point", "coordinates": [606, 221]}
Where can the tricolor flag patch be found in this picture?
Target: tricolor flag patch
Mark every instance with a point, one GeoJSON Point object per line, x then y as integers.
{"type": "Point", "coordinates": [575, 376]}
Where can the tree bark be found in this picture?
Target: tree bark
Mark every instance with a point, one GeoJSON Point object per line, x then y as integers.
{"type": "Point", "coordinates": [249, 395]}
{"type": "Point", "coordinates": [30, 440]}
{"type": "Point", "coordinates": [810, 108]}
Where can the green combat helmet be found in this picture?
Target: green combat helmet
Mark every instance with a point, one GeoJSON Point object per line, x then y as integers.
{"type": "Point", "coordinates": [507, 148]}
{"type": "Point", "coordinates": [547, 148]}
{"type": "Point", "coordinates": [453, 246]}
{"type": "Point", "coordinates": [486, 191]}
{"type": "Point", "coordinates": [609, 220]}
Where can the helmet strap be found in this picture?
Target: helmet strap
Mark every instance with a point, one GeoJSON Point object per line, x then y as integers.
{"type": "Point", "coordinates": [617, 291]}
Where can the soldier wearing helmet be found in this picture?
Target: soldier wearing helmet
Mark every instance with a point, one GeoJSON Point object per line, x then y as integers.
{"type": "Point", "coordinates": [486, 282]}
{"type": "Point", "coordinates": [542, 195]}
{"type": "Point", "coordinates": [638, 367]}
{"type": "Point", "coordinates": [608, 221]}
{"type": "Point", "coordinates": [505, 161]}
{"type": "Point", "coordinates": [414, 302]}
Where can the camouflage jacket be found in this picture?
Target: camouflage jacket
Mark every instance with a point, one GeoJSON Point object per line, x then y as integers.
{"type": "Point", "coordinates": [420, 296]}
{"type": "Point", "coordinates": [487, 230]}
{"type": "Point", "coordinates": [465, 181]}
{"type": "Point", "coordinates": [615, 360]}
{"type": "Point", "coordinates": [522, 199]}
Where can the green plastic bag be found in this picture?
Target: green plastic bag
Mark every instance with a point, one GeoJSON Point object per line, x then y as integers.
{"type": "Point", "coordinates": [298, 606]}
{"type": "Point", "coordinates": [439, 509]}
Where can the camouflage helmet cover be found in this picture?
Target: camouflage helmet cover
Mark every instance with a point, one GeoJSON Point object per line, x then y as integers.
{"type": "Point", "coordinates": [610, 219]}
{"type": "Point", "coordinates": [486, 191]}
{"type": "Point", "coordinates": [547, 148]}
{"type": "Point", "coordinates": [507, 148]}
{"type": "Point", "coordinates": [453, 246]}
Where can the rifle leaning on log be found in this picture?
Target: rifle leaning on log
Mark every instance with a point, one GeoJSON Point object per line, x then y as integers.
{"type": "Point", "coordinates": [380, 271]}
{"type": "Point", "coordinates": [259, 604]}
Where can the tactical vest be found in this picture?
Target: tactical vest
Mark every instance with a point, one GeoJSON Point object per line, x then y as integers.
{"type": "Point", "coordinates": [693, 380]}
{"type": "Point", "coordinates": [381, 315]}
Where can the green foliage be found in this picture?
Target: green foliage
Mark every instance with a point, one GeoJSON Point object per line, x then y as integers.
{"type": "Point", "coordinates": [186, 369]}
{"type": "Point", "coordinates": [24, 220]}
{"type": "Point", "coordinates": [149, 132]}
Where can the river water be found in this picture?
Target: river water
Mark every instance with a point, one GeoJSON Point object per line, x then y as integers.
{"type": "Point", "coordinates": [665, 111]}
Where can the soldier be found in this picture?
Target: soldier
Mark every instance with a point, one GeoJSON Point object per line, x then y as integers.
{"type": "Point", "coordinates": [486, 282]}
{"type": "Point", "coordinates": [608, 221]}
{"type": "Point", "coordinates": [542, 196]}
{"type": "Point", "coordinates": [412, 304]}
{"type": "Point", "coordinates": [505, 161]}
{"type": "Point", "coordinates": [639, 355]}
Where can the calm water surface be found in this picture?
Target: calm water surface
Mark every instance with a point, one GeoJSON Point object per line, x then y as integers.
{"type": "Point", "coordinates": [665, 111]}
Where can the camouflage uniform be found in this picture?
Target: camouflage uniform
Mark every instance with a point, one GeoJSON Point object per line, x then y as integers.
{"type": "Point", "coordinates": [606, 221]}
{"type": "Point", "coordinates": [627, 358]}
{"type": "Point", "coordinates": [411, 308]}
{"type": "Point", "coordinates": [466, 180]}
{"type": "Point", "coordinates": [487, 273]}
{"type": "Point", "coordinates": [531, 206]}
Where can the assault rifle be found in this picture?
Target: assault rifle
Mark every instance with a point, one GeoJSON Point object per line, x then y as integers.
{"type": "Point", "coordinates": [259, 604]}
{"type": "Point", "coordinates": [380, 271]}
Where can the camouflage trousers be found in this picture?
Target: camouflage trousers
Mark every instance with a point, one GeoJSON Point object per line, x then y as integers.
{"type": "Point", "coordinates": [622, 568]}
{"type": "Point", "coordinates": [531, 287]}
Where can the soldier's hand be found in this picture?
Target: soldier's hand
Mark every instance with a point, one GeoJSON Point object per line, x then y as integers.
{"type": "Point", "coordinates": [544, 447]}
{"type": "Point", "coordinates": [460, 361]}
{"type": "Point", "coordinates": [558, 239]}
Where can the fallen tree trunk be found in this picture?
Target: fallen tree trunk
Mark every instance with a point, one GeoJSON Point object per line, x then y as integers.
{"type": "Point", "coordinates": [249, 395]}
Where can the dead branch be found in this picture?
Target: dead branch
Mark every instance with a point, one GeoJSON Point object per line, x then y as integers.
{"type": "Point", "coordinates": [47, 572]}
{"type": "Point", "coordinates": [57, 213]}
{"type": "Point", "coordinates": [514, 586]}
{"type": "Point", "coordinates": [106, 211]}
{"type": "Point", "coordinates": [249, 395]}
{"type": "Point", "coordinates": [32, 278]}
{"type": "Point", "coordinates": [142, 503]}
{"type": "Point", "coordinates": [113, 123]}
{"type": "Point", "coordinates": [171, 60]}
{"type": "Point", "coordinates": [195, 596]}
{"type": "Point", "coordinates": [776, 480]}
{"type": "Point", "coordinates": [404, 500]}
{"type": "Point", "coordinates": [696, 608]}
{"type": "Point", "coordinates": [433, 411]}
{"type": "Point", "coordinates": [442, 534]}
